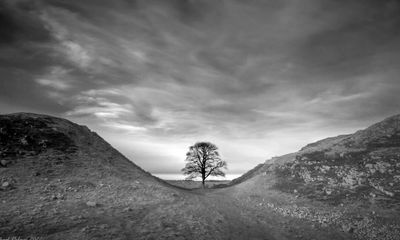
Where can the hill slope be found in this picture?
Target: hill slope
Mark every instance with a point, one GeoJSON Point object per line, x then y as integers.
{"type": "Point", "coordinates": [61, 146]}
{"type": "Point", "coordinates": [58, 177]}
{"type": "Point", "coordinates": [355, 179]}
{"type": "Point", "coordinates": [360, 166]}
{"type": "Point", "coordinates": [59, 180]}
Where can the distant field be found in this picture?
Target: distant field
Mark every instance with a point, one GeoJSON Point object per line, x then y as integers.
{"type": "Point", "coordinates": [190, 184]}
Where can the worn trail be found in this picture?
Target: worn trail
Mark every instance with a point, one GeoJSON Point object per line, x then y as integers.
{"type": "Point", "coordinates": [246, 219]}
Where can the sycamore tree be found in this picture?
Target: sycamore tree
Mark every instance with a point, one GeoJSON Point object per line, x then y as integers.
{"type": "Point", "coordinates": [203, 160]}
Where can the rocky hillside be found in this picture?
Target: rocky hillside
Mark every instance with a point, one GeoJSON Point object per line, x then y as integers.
{"type": "Point", "coordinates": [364, 165]}
{"type": "Point", "coordinates": [356, 177]}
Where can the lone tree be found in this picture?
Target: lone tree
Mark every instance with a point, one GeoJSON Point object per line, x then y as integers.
{"type": "Point", "coordinates": [203, 160]}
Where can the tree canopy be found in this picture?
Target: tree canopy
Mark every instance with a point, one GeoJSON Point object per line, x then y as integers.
{"type": "Point", "coordinates": [203, 160]}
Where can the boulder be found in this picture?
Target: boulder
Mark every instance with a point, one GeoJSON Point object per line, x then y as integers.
{"type": "Point", "coordinates": [5, 184]}
{"type": "Point", "coordinates": [91, 204]}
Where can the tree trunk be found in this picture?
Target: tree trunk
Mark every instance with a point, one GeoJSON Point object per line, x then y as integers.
{"type": "Point", "coordinates": [203, 177]}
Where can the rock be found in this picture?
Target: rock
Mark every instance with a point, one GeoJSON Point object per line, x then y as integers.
{"type": "Point", "coordinates": [3, 163]}
{"type": "Point", "coordinates": [328, 191]}
{"type": "Point", "coordinates": [127, 209]}
{"type": "Point", "coordinates": [5, 184]}
{"type": "Point", "coordinates": [91, 204]}
{"type": "Point", "coordinates": [347, 228]}
{"type": "Point", "coordinates": [372, 195]}
{"type": "Point", "coordinates": [24, 141]}
{"type": "Point", "coordinates": [74, 218]}
{"type": "Point", "coordinates": [103, 226]}
{"type": "Point", "coordinates": [390, 194]}
{"type": "Point", "coordinates": [396, 178]}
{"type": "Point", "coordinates": [57, 196]}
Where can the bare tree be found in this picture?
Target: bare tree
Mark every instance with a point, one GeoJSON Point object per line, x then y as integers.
{"type": "Point", "coordinates": [203, 160]}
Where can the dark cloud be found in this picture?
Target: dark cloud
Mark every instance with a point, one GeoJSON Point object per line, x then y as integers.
{"type": "Point", "coordinates": [348, 47]}
{"type": "Point", "coordinates": [25, 53]}
{"type": "Point", "coordinates": [19, 23]}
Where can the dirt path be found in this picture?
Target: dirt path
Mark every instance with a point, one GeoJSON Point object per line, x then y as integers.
{"type": "Point", "coordinates": [247, 220]}
{"type": "Point", "coordinates": [236, 220]}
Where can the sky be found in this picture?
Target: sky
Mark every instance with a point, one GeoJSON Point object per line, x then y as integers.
{"type": "Point", "coordinates": [257, 78]}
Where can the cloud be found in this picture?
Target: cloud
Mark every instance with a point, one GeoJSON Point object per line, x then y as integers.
{"type": "Point", "coordinates": [121, 126]}
{"type": "Point", "coordinates": [98, 106]}
{"type": "Point", "coordinates": [56, 79]}
{"type": "Point", "coordinates": [258, 78]}
{"type": "Point", "coordinates": [75, 52]}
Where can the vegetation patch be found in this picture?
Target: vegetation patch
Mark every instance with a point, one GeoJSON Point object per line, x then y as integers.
{"type": "Point", "coordinates": [27, 136]}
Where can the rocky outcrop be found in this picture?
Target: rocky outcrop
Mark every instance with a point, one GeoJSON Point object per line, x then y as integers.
{"type": "Point", "coordinates": [363, 165]}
